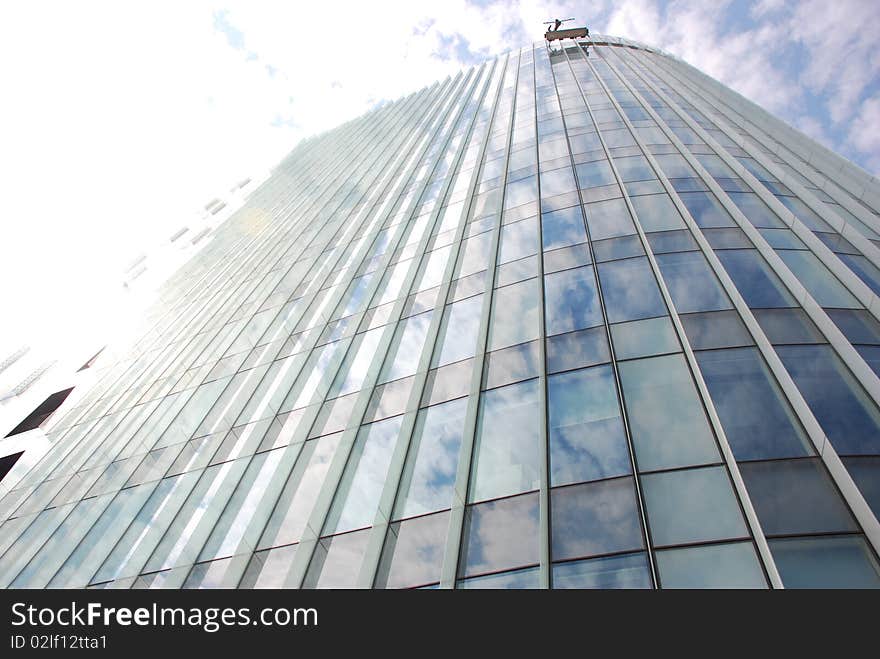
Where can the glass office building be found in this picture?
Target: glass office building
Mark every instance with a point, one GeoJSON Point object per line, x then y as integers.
{"type": "Point", "coordinates": [574, 318]}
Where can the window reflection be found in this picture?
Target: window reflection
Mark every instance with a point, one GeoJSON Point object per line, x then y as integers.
{"type": "Point", "coordinates": [757, 420]}
{"type": "Point", "coordinates": [586, 435]}
{"type": "Point", "coordinates": [572, 301]}
{"type": "Point", "coordinates": [357, 497]}
{"type": "Point", "coordinates": [630, 290]}
{"type": "Point", "coordinates": [667, 421]}
{"type": "Point", "coordinates": [729, 565]}
{"type": "Point", "coordinates": [505, 457]}
{"type": "Point", "coordinates": [499, 535]}
{"type": "Point", "coordinates": [625, 571]}
{"type": "Point", "coordinates": [692, 505]}
{"type": "Point", "coordinates": [429, 474]}
{"type": "Point", "coordinates": [413, 552]}
{"type": "Point", "coordinates": [514, 314]}
{"type": "Point", "coordinates": [691, 282]}
{"type": "Point", "coordinates": [594, 519]}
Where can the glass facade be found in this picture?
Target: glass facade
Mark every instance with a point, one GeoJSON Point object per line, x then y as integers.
{"type": "Point", "coordinates": [573, 318]}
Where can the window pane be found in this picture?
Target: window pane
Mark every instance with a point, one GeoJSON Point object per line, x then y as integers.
{"type": "Point", "coordinates": [500, 535]}
{"type": "Point", "coordinates": [515, 580]}
{"type": "Point", "coordinates": [293, 507]}
{"type": "Point", "coordinates": [691, 282]}
{"type": "Point", "coordinates": [733, 565]}
{"type": "Point", "coordinates": [594, 519]}
{"type": "Point", "coordinates": [757, 420]}
{"type": "Point", "coordinates": [756, 211]}
{"type": "Point", "coordinates": [706, 210]}
{"type": "Point", "coordinates": [757, 283]}
{"type": "Point", "coordinates": [618, 248]}
{"type": "Point", "coordinates": [563, 227]}
{"type": "Point", "coordinates": [788, 326]}
{"type": "Point", "coordinates": [512, 365]}
{"type": "Point", "coordinates": [825, 562]}
{"type": "Point", "coordinates": [818, 280]}
{"type": "Point", "coordinates": [716, 329]}
{"type": "Point", "coordinates": [577, 350]}
{"type": "Point", "coordinates": [657, 213]}
{"type": "Point", "coordinates": [866, 473]}
{"type": "Point", "coordinates": [448, 382]}
{"type": "Point", "coordinates": [357, 497]}
{"type": "Point", "coordinates": [429, 475]}
{"type": "Point", "coordinates": [843, 409]}
{"type": "Point", "coordinates": [594, 174]}
{"type": "Point", "coordinates": [572, 301]}
{"type": "Point", "coordinates": [667, 420]}
{"type": "Point", "coordinates": [514, 314]}
{"type": "Point", "coordinates": [858, 326]}
{"type": "Point", "coordinates": [630, 290]}
{"type": "Point", "coordinates": [337, 561]}
{"type": "Point", "coordinates": [506, 449]}
{"type": "Point", "coordinates": [693, 505]}
{"type": "Point", "coordinates": [518, 240]}
{"type": "Point", "coordinates": [608, 219]}
{"type": "Point", "coordinates": [642, 338]}
{"type": "Point", "coordinates": [413, 552]}
{"type": "Point", "coordinates": [458, 333]}
{"type": "Point", "coordinates": [407, 347]}
{"type": "Point", "coordinates": [663, 242]}
{"type": "Point", "coordinates": [795, 497]}
{"type": "Point", "coordinates": [627, 571]}
{"type": "Point", "coordinates": [587, 439]}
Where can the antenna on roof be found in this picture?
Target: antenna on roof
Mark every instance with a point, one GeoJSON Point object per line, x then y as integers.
{"type": "Point", "coordinates": [553, 33]}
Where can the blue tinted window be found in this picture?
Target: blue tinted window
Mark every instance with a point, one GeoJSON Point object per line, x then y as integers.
{"type": "Point", "coordinates": [626, 571]}
{"type": "Point", "coordinates": [715, 329]}
{"type": "Point", "coordinates": [826, 562]}
{"type": "Point", "coordinates": [577, 349]}
{"type": "Point", "coordinates": [413, 552]}
{"type": "Point", "coordinates": [756, 211]}
{"type": "Point", "coordinates": [513, 580]}
{"type": "Point", "coordinates": [841, 406]}
{"type": "Point", "coordinates": [691, 282]}
{"type": "Point", "coordinates": [572, 301]}
{"type": "Point", "coordinates": [864, 269]}
{"type": "Point", "coordinates": [672, 241]}
{"type": "Point", "coordinates": [706, 210]}
{"type": "Point", "coordinates": [804, 214]}
{"type": "Point", "coordinates": [608, 219]}
{"type": "Point", "coordinates": [499, 535]}
{"type": "Point", "coordinates": [657, 213]}
{"type": "Point", "coordinates": [757, 283]}
{"type": "Point", "coordinates": [795, 497]}
{"type": "Point", "coordinates": [729, 565]}
{"type": "Point", "coordinates": [757, 420]}
{"type": "Point", "coordinates": [587, 440]}
{"type": "Point", "coordinates": [505, 458]}
{"type": "Point", "coordinates": [818, 280]}
{"type": "Point", "coordinates": [630, 290]}
{"type": "Point", "coordinates": [594, 519]}
{"type": "Point", "coordinates": [562, 228]}
{"type": "Point", "coordinates": [858, 326]}
{"type": "Point", "coordinates": [692, 505]}
{"type": "Point", "coordinates": [866, 473]}
{"type": "Point", "coordinates": [429, 475]}
{"type": "Point", "coordinates": [668, 424]}
{"type": "Point", "coordinates": [594, 174]}
{"type": "Point", "coordinates": [788, 326]}
{"type": "Point", "coordinates": [642, 338]}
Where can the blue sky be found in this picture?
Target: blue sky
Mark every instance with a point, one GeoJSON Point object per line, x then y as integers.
{"type": "Point", "coordinates": [120, 119]}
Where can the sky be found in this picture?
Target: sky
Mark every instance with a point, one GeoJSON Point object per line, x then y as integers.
{"type": "Point", "coordinates": [120, 120]}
